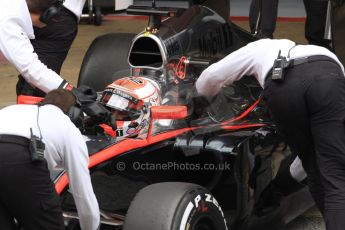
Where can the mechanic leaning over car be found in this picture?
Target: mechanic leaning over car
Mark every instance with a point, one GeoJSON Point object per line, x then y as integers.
{"type": "Point", "coordinates": [53, 41]}
{"type": "Point", "coordinates": [16, 30]}
{"type": "Point", "coordinates": [304, 89]}
{"type": "Point", "coordinates": [33, 139]}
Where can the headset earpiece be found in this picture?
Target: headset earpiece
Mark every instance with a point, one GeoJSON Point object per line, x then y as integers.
{"type": "Point", "coordinates": [75, 114]}
{"type": "Point", "coordinates": [48, 14]}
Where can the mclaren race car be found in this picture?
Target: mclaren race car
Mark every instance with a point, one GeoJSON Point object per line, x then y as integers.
{"type": "Point", "coordinates": [162, 169]}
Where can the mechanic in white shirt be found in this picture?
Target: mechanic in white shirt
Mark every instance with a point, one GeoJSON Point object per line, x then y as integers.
{"type": "Point", "coordinates": [53, 41]}
{"type": "Point", "coordinates": [16, 29]}
{"type": "Point", "coordinates": [27, 192]}
{"type": "Point", "coordinates": [75, 6]}
{"type": "Point", "coordinates": [308, 107]}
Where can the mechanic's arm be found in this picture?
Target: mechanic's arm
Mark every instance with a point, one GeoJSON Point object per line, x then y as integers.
{"type": "Point", "coordinates": [16, 47]}
{"type": "Point", "coordinates": [231, 68]}
{"type": "Point", "coordinates": [76, 162]}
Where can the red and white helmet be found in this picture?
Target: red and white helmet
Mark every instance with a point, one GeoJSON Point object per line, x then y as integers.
{"type": "Point", "coordinates": [130, 99]}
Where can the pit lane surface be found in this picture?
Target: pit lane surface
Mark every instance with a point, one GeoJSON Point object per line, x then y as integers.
{"type": "Point", "coordinates": [307, 222]}
{"type": "Point", "coordinates": [311, 220]}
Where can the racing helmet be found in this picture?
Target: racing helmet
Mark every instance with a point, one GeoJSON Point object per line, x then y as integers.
{"type": "Point", "coordinates": [129, 99]}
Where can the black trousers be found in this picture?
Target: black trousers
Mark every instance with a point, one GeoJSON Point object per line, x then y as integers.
{"type": "Point", "coordinates": [309, 110]}
{"type": "Point", "coordinates": [27, 192]}
{"type": "Point", "coordinates": [51, 44]}
{"type": "Point", "coordinates": [315, 22]}
{"type": "Point", "coordinates": [269, 11]}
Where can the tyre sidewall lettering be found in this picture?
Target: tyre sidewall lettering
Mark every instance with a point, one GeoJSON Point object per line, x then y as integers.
{"type": "Point", "coordinates": [201, 204]}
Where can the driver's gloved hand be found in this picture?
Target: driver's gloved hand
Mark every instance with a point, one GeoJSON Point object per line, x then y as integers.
{"type": "Point", "coordinates": [88, 91]}
{"type": "Point", "coordinates": [86, 98]}
{"type": "Point", "coordinates": [109, 120]}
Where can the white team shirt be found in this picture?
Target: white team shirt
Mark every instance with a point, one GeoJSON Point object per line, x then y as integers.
{"type": "Point", "coordinates": [75, 6]}
{"type": "Point", "coordinates": [65, 148]}
{"type": "Point", "coordinates": [256, 58]}
{"type": "Point", "coordinates": [16, 30]}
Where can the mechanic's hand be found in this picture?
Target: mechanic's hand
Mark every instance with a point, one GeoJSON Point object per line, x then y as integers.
{"type": "Point", "coordinates": [197, 104]}
{"type": "Point", "coordinates": [88, 91]}
{"type": "Point", "coordinates": [86, 98]}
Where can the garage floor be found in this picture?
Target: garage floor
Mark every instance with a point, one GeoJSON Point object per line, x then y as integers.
{"type": "Point", "coordinates": [293, 30]}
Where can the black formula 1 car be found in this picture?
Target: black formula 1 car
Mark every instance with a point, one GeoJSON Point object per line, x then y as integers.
{"type": "Point", "coordinates": [201, 174]}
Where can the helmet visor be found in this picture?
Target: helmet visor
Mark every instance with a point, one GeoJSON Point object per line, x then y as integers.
{"type": "Point", "coordinates": [120, 105]}
{"type": "Point", "coordinates": [116, 102]}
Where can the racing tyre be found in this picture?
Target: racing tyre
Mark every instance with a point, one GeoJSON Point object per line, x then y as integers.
{"type": "Point", "coordinates": [174, 206]}
{"type": "Point", "coordinates": [105, 60]}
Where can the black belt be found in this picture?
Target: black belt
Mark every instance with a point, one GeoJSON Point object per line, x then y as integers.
{"type": "Point", "coordinates": [303, 60]}
{"type": "Point", "coordinates": [309, 59]}
{"type": "Point", "coordinates": [4, 138]}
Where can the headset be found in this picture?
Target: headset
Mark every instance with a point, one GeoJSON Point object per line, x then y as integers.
{"type": "Point", "coordinates": [48, 14]}
{"type": "Point", "coordinates": [75, 113]}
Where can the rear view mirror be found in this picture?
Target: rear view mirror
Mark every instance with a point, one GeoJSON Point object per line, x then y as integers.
{"type": "Point", "coordinates": [168, 112]}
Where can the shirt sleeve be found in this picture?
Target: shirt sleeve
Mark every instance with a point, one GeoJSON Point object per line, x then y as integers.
{"type": "Point", "coordinates": [231, 68]}
{"type": "Point", "coordinates": [76, 162]}
{"type": "Point", "coordinates": [76, 6]}
{"type": "Point", "coordinates": [16, 47]}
